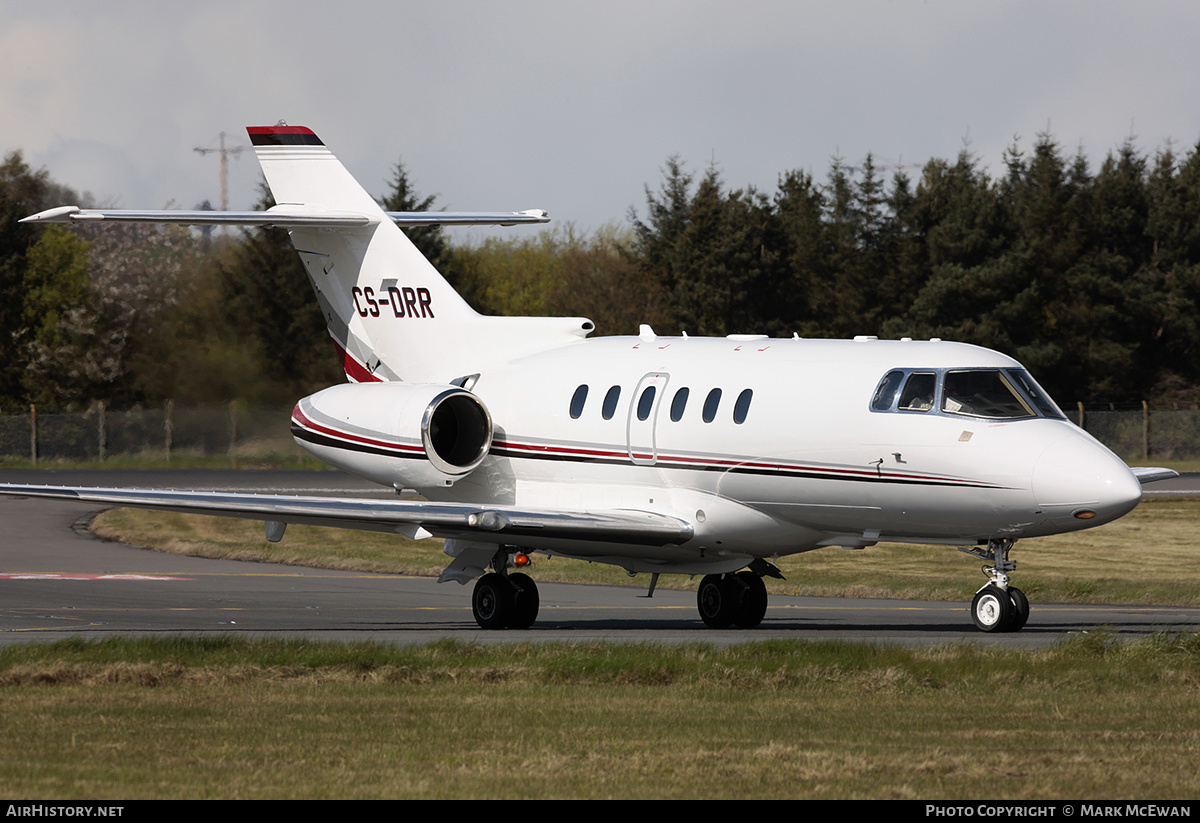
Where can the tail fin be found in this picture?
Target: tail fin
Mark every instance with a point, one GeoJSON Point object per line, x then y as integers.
{"type": "Point", "coordinates": [391, 314]}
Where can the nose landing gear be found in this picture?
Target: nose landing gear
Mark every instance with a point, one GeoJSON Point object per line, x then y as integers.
{"type": "Point", "coordinates": [998, 607]}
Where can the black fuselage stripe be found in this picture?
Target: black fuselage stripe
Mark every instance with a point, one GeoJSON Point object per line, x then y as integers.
{"type": "Point", "coordinates": [502, 451]}
{"type": "Point", "coordinates": [309, 436]}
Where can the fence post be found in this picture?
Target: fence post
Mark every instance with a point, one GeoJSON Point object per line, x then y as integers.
{"type": "Point", "coordinates": [233, 405]}
{"type": "Point", "coordinates": [102, 431]}
{"type": "Point", "coordinates": [33, 433]}
{"type": "Point", "coordinates": [1145, 431]}
{"type": "Point", "coordinates": [1079, 403]}
{"type": "Point", "coordinates": [169, 426]}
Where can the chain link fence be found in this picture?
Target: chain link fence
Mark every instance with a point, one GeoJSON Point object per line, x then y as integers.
{"type": "Point", "coordinates": [234, 431]}
{"type": "Point", "coordinates": [1146, 434]}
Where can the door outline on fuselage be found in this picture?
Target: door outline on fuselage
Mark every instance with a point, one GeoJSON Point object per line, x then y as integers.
{"type": "Point", "coordinates": [640, 435]}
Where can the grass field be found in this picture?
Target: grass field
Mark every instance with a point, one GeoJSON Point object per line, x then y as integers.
{"type": "Point", "coordinates": [177, 718]}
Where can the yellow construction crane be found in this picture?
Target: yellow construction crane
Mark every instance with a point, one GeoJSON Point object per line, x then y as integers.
{"type": "Point", "coordinates": [224, 152]}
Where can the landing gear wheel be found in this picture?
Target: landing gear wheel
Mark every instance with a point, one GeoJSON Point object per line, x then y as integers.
{"type": "Point", "coordinates": [525, 601]}
{"type": "Point", "coordinates": [998, 607]}
{"type": "Point", "coordinates": [1020, 609]}
{"type": "Point", "coordinates": [717, 601]}
{"type": "Point", "coordinates": [492, 602]}
{"type": "Point", "coordinates": [753, 605]}
{"type": "Point", "coordinates": [992, 609]}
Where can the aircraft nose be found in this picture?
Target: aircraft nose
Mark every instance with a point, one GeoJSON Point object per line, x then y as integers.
{"type": "Point", "coordinates": [1078, 482]}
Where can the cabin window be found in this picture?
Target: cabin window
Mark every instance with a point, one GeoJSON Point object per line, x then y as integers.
{"type": "Point", "coordinates": [609, 407]}
{"type": "Point", "coordinates": [918, 392]}
{"type": "Point", "coordinates": [885, 395]}
{"type": "Point", "coordinates": [710, 406]}
{"type": "Point", "coordinates": [983, 393]}
{"type": "Point", "coordinates": [678, 403]}
{"type": "Point", "coordinates": [742, 406]}
{"type": "Point", "coordinates": [646, 402]}
{"type": "Point", "coordinates": [577, 401]}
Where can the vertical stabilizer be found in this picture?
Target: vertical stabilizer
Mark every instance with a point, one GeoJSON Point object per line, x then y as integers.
{"type": "Point", "coordinates": [392, 315]}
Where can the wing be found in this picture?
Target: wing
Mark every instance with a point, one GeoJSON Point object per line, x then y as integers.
{"type": "Point", "coordinates": [1148, 474]}
{"type": "Point", "coordinates": [285, 217]}
{"type": "Point", "coordinates": [463, 521]}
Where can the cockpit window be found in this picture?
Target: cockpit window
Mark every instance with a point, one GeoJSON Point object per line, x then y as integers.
{"type": "Point", "coordinates": [995, 393]}
{"type": "Point", "coordinates": [918, 391]}
{"type": "Point", "coordinates": [983, 393]}
{"type": "Point", "coordinates": [1034, 392]}
{"type": "Point", "coordinates": [885, 395]}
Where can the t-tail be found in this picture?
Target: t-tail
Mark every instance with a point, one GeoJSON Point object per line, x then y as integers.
{"type": "Point", "coordinates": [391, 314]}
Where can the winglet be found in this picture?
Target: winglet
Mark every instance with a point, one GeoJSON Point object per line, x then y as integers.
{"type": "Point", "coordinates": [62, 214]}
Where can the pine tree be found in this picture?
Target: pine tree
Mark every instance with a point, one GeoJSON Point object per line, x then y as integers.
{"type": "Point", "coordinates": [429, 240]}
{"type": "Point", "coordinates": [268, 302]}
{"type": "Point", "coordinates": [22, 192]}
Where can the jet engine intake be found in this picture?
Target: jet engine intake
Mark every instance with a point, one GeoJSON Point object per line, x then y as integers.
{"type": "Point", "coordinates": [456, 431]}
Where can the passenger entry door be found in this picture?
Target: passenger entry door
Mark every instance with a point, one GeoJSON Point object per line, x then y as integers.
{"type": "Point", "coordinates": [643, 412]}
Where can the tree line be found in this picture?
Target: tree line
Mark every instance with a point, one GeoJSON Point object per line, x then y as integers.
{"type": "Point", "coordinates": [1089, 277]}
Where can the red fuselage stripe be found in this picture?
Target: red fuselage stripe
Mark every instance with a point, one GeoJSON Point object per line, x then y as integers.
{"type": "Point", "coordinates": [303, 421]}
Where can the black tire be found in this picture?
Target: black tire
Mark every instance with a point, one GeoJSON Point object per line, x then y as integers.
{"type": "Point", "coordinates": [525, 601]}
{"type": "Point", "coordinates": [1020, 609]}
{"type": "Point", "coordinates": [716, 600]}
{"type": "Point", "coordinates": [992, 609]}
{"type": "Point", "coordinates": [753, 600]}
{"type": "Point", "coordinates": [492, 602]}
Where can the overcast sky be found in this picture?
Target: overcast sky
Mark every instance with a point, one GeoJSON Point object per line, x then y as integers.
{"type": "Point", "coordinates": [573, 107]}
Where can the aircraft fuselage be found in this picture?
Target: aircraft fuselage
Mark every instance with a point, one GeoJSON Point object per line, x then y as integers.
{"type": "Point", "coordinates": [767, 446]}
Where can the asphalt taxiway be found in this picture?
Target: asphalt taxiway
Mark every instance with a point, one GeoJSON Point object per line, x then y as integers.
{"type": "Point", "coordinates": [59, 581]}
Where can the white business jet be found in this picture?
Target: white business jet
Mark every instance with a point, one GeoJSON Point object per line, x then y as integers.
{"type": "Point", "coordinates": [678, 455]}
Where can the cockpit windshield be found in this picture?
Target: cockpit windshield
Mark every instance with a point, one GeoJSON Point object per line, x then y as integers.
{"type": "Point", "coordinates": [983, 393]}
{"type": "Point", "coordinates": [994, 394]}
{"type": "Point", "coordinates": [1035, 393]}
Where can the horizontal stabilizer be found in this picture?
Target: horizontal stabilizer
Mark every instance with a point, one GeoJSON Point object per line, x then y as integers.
{"type": "Point", "coordinates": [1148, 474]}
{"type": "Point", "coordinates": [465, 218]}
{"type": "Point", "coordinates": [284, 217]}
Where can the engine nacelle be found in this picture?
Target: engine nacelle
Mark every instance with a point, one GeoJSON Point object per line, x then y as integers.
{"type": "Point", "coordinates": [409, 435]}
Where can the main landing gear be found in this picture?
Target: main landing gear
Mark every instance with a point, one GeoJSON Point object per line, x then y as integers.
{"type": "Point", "coordinates": [503, 599]}
{"type": "Point", "coordinates": [740, 599]}
{"type": "Point", "coordinates": [998, 607]}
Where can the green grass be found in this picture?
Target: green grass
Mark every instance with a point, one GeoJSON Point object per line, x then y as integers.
{"type": "Point", "coordinates": [179, 718]}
